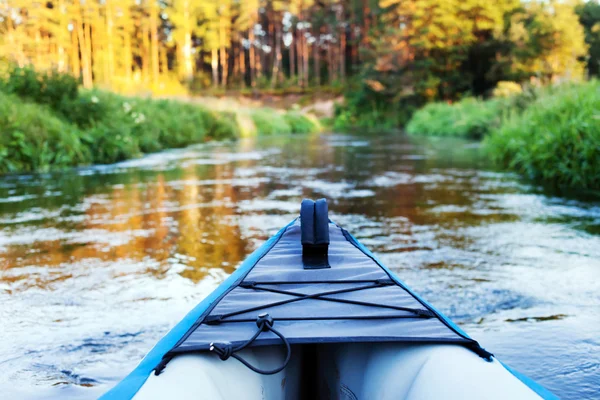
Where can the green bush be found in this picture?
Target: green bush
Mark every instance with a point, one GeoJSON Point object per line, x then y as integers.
{"type": "Point", "coordinates": [365, 109]}
{"type": "Point", "coordinates": [300, 123]}
{"type": "Point", "coordinates": [468, 118]}
{"type": "Point", "coordinates": [50, 88]}
{"type": "Point", "coordinates": [269, 122]}
{"type": "Point", "coordinates": [47, 122]}
{"type": "Point", "coordinates": [167, 124]}
{"type": "Point", "coordinates": [224, 125]}
{"type": "Point", "coordinates": [152, 124]}
{"type": "Point", "coordinates": [89, 107]}
{"type": "Point", "coordinates": [33, 139]}
{"type": "Point", "coordinates": [556, 139]}
{"type": "Point", "coordinates": [111, 141]}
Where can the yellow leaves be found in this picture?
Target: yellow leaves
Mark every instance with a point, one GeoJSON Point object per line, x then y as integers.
{"type": "Point", "coordinates": [506, 89]}
{"type": "Point", "coordinates": [549, 40]}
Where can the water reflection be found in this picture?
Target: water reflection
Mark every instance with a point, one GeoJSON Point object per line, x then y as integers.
{"type": "Point", "coordinates": [96, 264]}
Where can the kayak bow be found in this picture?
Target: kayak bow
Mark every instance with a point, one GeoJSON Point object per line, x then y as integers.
{"type": "Point", "coordinates": [313, 314]}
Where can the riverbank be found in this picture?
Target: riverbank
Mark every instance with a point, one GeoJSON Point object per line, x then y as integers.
{"type": "Point", "coordinates": [549, 135]}
{"type": "Point", "coordinates": [48, 122]}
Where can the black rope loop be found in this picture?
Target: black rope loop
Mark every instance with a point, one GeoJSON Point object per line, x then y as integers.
{"type": "Point", "coordinates": [264, 322]}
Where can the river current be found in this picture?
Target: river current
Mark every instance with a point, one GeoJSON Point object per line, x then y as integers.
{"type": "Point", "coordinates": [96, 264]}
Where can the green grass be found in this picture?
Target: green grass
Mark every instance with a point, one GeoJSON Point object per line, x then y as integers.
{"type": "Point", "coordinates": [32, 138]}
{"type": "Point", "coordinates": [269, 122]}
{"type": "Point", "coordinates": [555, 140]}
{"type": "Point", "coordinates": [300, 123]}
{"type": "Point", "coordinates": [468, 118]}
{"type": "Point", "coordinates": [47, 122]}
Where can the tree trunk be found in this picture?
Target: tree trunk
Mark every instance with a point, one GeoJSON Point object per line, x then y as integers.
{"type": "Point", "coordinates": [299, 55]}
{"type": "Point", "coordinates": [343, 55]}
{"type": "Point", "coordinates": [215, 66]}
{"type": "Point", "coordinates": [259, 65]}
{"type": "Point", "coordinates": [252, 57]}
{"type": "Point", "coordinates": [277, 58]}
{"type": "Point", "coordinates": [154, 42]}
{"type": "Point", "coordinates": [75, 67]}
{"type": "Point", "coordinates": [223, 52]}
{"type": "Point", "coordinates": [366, 26]}
{"type": "Point", "coordinates": [292, 55]}
{"type": "Point", "coordinates": [60, 41]}
{"type": "Point", "coordinates": [235, 73]}
{"type": "Point", "coordinates": [87, 55]}
{"type": "Point", "coordinates": [316, 62]}
{"type": "Point", "coordinates": [187, 73]}
{"type": "Point", "coordinates": [330, 66]}
{"type": "Point", "coordinates": [305, 59]}
{"type": "Point", "coordinates": [164, 61]}
{"type": "Point", "coordinates": [109, 39]}
{"type": "Point", "coordinates": [85, 62]}
{"type": "Point", "coordinates": [145, 51]}
{"type": "Point", "coordinates": [188, 62]}
{"type": "Point", "coordinates": [243, 64]}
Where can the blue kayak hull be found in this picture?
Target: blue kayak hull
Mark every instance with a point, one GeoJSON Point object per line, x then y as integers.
{"type": "Point", "coordinates": [401, 318]}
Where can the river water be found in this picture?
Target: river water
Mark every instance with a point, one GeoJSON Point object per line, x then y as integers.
{"type": "Point", "coordinates": [97, 264]}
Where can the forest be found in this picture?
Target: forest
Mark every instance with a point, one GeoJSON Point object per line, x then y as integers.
{"type": "Point", "coordinates": [383, 60]}
{"type": "Point", "coordinates": [436, 49]}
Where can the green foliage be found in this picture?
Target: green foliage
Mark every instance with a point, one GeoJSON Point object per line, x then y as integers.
{"type": "Point", "coordinates": [111, 141]}
{"type": "Point", "coordinates": [49, 87]}
{"type": "Point", "coordinates": [166, 124]}
{"type": "Point", "coordinates": [270, 122]}
{"type": "Point", "coordinates": [367, 109]}
{"type": "Point", "coordinates": [223, 125]}
{"type": "Point", "coordinates": [542, 40]}
{"type": "Point", "coordinates": [434, 50]}
{"type": "Point", "coordinates": [469, 118]}
{"type": "Point", "coordinates": [69, 127]}
{"type": "Point", "coordinates": [33, 139]}
{"type": "Point", "coordinates": [300, 123]}
{"type": "Point", "coordinates": [88, 107]}
{"type": "Point", "coordinates": [556, 140]}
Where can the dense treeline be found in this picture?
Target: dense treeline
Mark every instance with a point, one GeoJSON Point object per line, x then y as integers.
{"type": "Point", "coordinates": [401, 51]}
{"type": "Point", "coordinates": [430, 50]}
{"type": "Point", "coordinates": [205, 42]}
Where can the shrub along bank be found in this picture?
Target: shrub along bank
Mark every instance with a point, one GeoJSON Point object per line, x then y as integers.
{"type": "Point", "coordinates": [550, 135]}
{"type": "Point", "coordinates": [470, 118]}
{"type": "Point", "coordinates": [47, 122]}
{"type": "Point", "coordinates": [555, 140]}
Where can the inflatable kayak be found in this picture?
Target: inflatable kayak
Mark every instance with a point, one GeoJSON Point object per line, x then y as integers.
{"type": "Point", "coordinates": [312, 314]}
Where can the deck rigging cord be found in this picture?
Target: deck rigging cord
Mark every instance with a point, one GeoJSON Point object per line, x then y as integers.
{"type": "Point", "coordinates": [265, 322]}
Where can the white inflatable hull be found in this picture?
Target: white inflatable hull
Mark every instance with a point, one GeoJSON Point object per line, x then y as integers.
{"type": "Point", "coordinates": [340, 371]}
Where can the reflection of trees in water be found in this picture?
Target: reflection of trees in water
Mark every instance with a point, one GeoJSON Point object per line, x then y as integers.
{"type": "Point", "coordinates": [153, 219]}
{"type": "Point", "coordinates": [208, 235]}
{"type": "Point", "coordinates": [188, 215]}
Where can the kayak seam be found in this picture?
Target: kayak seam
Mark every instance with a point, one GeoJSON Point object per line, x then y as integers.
{"type": "Point", "coordinates": [214, 304]}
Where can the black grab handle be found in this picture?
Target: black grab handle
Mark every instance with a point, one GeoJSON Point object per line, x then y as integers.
{"type": "Point", "coordinates": [314, 222]}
